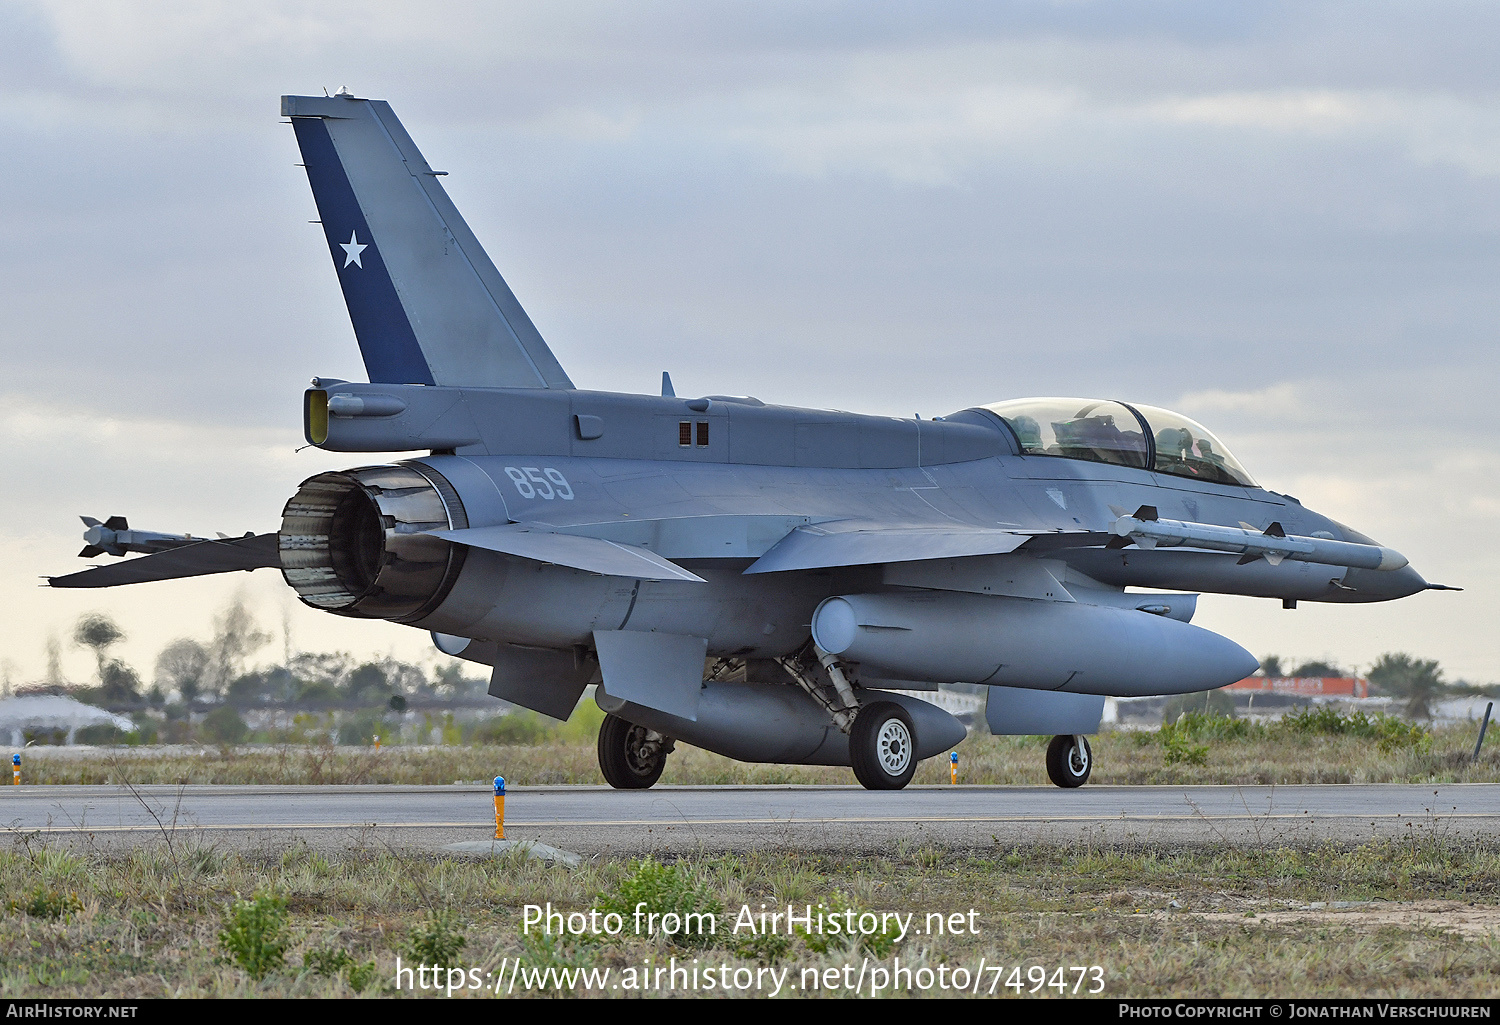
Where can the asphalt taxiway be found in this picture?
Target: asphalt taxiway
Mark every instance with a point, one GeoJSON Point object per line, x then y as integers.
{"type": "Point", "coordinates": [598, 820]}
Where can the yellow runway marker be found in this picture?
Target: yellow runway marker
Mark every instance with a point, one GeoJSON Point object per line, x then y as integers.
{"type": "Point", "coordinates": [499, 807]}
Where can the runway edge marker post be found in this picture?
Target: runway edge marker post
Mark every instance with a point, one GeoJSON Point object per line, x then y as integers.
{"type": "Point", "coordinates": [499, 807]}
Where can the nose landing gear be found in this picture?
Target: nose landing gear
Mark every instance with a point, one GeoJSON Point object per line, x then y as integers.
{"type": "Point", "coordinates": [1069, 760]}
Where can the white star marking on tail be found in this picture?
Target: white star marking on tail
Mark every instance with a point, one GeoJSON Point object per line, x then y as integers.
{"type": "Point", "coordinates": [352, 249]}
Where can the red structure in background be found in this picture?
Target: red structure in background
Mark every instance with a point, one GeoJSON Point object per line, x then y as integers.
{"type": "Point", "coordinates": [1306, 686]}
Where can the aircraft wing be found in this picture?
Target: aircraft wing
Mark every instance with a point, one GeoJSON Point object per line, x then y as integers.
{"type": "Point", "coordinates": [201, 558]}
{"type": "Point", "coordinates": [852, 543]}
{"type": "Point", "coordinates": [592, 554]}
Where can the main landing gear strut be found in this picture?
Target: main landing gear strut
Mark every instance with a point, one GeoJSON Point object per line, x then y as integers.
{"type": "Point", "coordinates": [882, 737]}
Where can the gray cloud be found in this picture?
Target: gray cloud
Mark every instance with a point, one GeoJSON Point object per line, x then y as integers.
{"type": "Point", "coordinates": [1251, 210]}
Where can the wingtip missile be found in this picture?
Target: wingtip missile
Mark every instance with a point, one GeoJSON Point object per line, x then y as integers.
{"type": "Point", "coordinates": [114, 537]}
{"type": "Point", "coordinates": [1273, 544]}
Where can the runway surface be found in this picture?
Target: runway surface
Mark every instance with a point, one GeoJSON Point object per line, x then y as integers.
{"type": "Point", "coordinates": [598, 820]}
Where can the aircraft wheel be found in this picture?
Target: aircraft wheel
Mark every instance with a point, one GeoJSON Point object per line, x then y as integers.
{"type": "Point", "coordinates": [1069, 761]}
{"type": "Point", "coordinates": [630, 756]}
{"type": "Point", "coordinates": [882, 746]}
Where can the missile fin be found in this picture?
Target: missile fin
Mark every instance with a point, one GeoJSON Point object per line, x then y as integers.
{"type": "Point", "coordinates": [115, 523]}
{"type": "Point", "coordinates": [1248, 558]}
{"type": "Point", "coordinates": [89, 521]}
{"type": "Point", "coordinates": [89, 551]}
{"type": "Point", "coordinates": [1118, 542]}
{"type": "Point", "coordinates": [1274, 558]}
{"type": "Point", "coordinates": [1146, 512]}
{"type": "Point", "coordinates": [1275, 530]}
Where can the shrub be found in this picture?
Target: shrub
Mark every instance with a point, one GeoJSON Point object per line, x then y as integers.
{"type": "Point", "coordinates": [1208, 726]}
{"type": "Point", "coordinates": [766, 947]}
{"type": "Point", "coordinates": [358, 729]}
{"type": "Point", "coordinates": [254, 934]}
{"type": "Point", "coordinates": [519, 726]}
{"type": "Point", "coordinates": [331, 962]}
{"type": "Point", "coordinates": [877, 944]}
{"type": "Point", "coordinates": [1389, 732]}
{"type": "Point", "coordinates": [1177, 747]}
{"type": "Point", "coordinates": [101, 735]}
{"type": "Point", "coordinates": [437, 941]}
{"type": "Point", "coordinates": [663, 890]}
{"type": "Point", "coordinates": [224, 726]}
{"type": "Point", "coordinates": [46, 902]}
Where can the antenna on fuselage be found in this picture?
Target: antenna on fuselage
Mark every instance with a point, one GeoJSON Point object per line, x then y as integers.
{"type": "Point", "coordinates": [667, 391]}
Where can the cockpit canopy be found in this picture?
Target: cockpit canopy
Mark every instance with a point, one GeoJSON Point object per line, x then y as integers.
{"type": "Point", "coordinates": [1105, 431]}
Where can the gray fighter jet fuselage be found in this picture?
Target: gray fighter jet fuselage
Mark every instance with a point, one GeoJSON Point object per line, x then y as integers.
{"type": "Point", "coordinates": [758, 580]}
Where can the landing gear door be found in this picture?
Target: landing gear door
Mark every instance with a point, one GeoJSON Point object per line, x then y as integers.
{"type": "Point", "coordinates": [659, 670]}
{"type": "Point", "coordinates": [1016, 711]}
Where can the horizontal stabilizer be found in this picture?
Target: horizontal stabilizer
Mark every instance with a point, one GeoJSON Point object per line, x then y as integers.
{"type": "Point", "coordinates": [198, 559]}
{"type": "Point", "coordinates": [607, 558]}
{"type": "Point", "coordinates": [850, 544]}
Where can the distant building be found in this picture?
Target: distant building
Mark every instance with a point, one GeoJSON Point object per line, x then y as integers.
{"type": "Point", "coordinates": [52, 713]}
{"type": "Point", "coordinates": [1304, 686]}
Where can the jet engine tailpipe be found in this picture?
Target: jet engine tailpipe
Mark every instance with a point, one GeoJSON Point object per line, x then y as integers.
{"type": "Point", "coordinates": [354, 542]}
{"type": "Point", "coordinates": [950, 637]}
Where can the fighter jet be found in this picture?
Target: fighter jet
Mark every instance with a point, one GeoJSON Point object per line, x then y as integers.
{"type": "Point", "coordinates": [767, 582]}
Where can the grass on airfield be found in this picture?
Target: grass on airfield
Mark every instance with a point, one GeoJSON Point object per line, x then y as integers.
{"type": "Point", "coordinates": [1267, 756]}
{"type": "Point", "coordinates": [82, 922]}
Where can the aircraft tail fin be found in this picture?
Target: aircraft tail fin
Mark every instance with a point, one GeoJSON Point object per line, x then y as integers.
{"type": "Point", "coordinates": [428, 306]}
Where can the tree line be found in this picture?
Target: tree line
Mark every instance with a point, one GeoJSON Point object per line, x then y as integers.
{"type": "Point", "coordinates": [191, 674]}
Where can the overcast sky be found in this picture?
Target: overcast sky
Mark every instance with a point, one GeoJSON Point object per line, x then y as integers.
{"type": "Point", "coordinates": [1280, 219]}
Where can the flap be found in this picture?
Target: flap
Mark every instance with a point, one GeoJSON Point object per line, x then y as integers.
{"type": "Point", "coordinates": [660, 671]}
{"type": "Point", "coordinates": [594, 555]}
{"type": "Point", "coordinates": [194, 560]}
{"type": "Point", "coordinates": [858, 544]}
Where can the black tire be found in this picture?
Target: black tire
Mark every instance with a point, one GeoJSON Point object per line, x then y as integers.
{"type": "Point", "coordinates": [882, 746]}
{"type": "Point", "coordinates": [1068, 763]}
{"type": "Point", "coordinates": [630, 756]}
